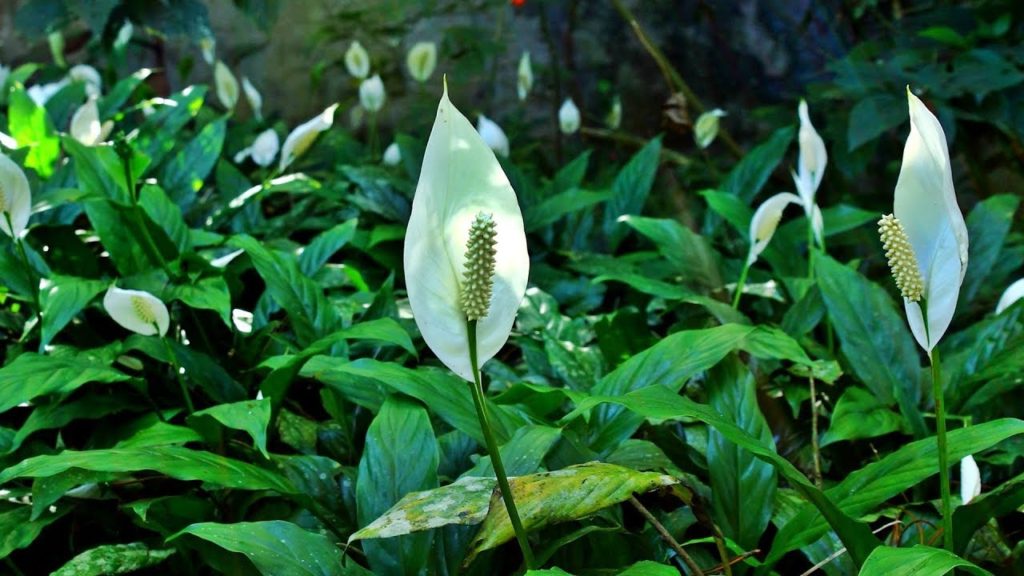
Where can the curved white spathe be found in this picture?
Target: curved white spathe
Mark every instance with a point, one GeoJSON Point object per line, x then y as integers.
{"type": "Point", "coordinates": [493, 135]}
{"type": "Point", "coordinates": [357, 60]}
{"type": "Point", "coordinates": [254, 97]}
{"type": "Point", "coordinates": [302, 137]}
{"type": "Point", "coordinates": [1013, 293]}
{"type": "Point", "coordinates": [810, 166]}
{"type": "Point", "coordinates": [15, 198]}
{"type": "Point", "coordinates": [970, 479]}
{"type": "Point", "coordinates": [569, 117]}
{"type": "Point", "coordinates": [524, 76]}
{"type": "Point", "coordinates": [706, 128]}
{"type": "Point", "coordinates": [766, 220]}
{"type": "Point", "coordinates": [926, 205]}
{"type": "Point", "coordinates": [137, 310]}
{"type": "Point", "coordinates": [392, 155]}
{"type": "Point", "coordinates": [460, 178]}
{"type": "Point", "coordinates": [86, 126]}
{"type": "Point", "coordinates": [371, 94]}
{"type": "Point", "coordinates": [421, 60]}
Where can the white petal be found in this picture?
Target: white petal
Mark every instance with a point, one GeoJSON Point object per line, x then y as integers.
{"type": "Point", "coordinates": [614, 118]}
{"type": "Point", "coordinates": [926, 205]}
{"type": "Point", "coordinates": [443, 209]}
{"type": "Point", "coordinates": [493, 135]}
{"type": "Point", "coordinates": [766, 220]}
{"type": "Point", "coordinates": [421, 60]}
{"type": "Point", "coordinates": [392, 155]}
{"type": "Point", "coordinates": [569, 117]}
{"type": "Point", "coordinates": [706, 128]}
{"type": "Point", "coordinates": [88, 76]}
{"type": "Point", "coordinates": [226, 84]}
{"type": "Point", "coordinates": [15, 198]}
{"type": "Point", "coordinates": [208, 46]}
{"type": "Point", "coordinates": [85, 124]}
{"type": "Point", "coordinates": [136, 310]}
{"type": "Point", "coordinates": [265, 148]}
{"type": "Point", "coordinates": [813, 157]}
{"type": "Point", "coordinates": [254, 98]}
{"type": "Point", "coordinates": [357, 61]}
{"type": "Point", "coordinates": [970, 479]}
{"type": "Point", "coordinates": [524, 78]}
{"type": "Point", "coordinates": [818, 224]}
{"type": "Point", "coordinates": [371, 94]}
{"type": "Point", "coordinates": [303, 136]}
{"type": "Point", "coordinates": [1013, 293]}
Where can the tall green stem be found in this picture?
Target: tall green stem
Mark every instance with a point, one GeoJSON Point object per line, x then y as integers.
{"type": "Point", "coordinates": [810, 248]}
{"type": "Point", "coordinates": [940, 425]}
{"type": "Point", "coordinates": [740, 284]}
{"type": "Point", "coordinates": [173, 359]}
{"type": "Point", "coordinates": [492, 449]}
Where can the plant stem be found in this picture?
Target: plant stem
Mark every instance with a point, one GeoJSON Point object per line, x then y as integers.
{"type": "Point", "coordinates": [492, 449]}
{"type": "Point", "coordinates": [173, 358]}
{"type": "Point", "coordinates": [814, 435]}
{"type": "Point", "coordinates": [940, 425]}
{"type": "Point", "coordinates": [33, 284]}
{"type": "Point", "coordinates": [666, 536]}
{"type": "Point", "coordinates": [810, 248]}
{"type": "Point", "coordinates": [740, 284]}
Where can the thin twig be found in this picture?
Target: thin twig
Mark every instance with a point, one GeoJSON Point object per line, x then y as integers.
{"type": "Point", "coordinates": [716, 533]}
{"type": "Point", "coordinates": [666, 536]}
{"type": "Point", "coordinates": [842, 550]}
{"type": "Point", "coordinates": [815, 447]}
{"type": "Point", "coordinates": [735, 560]}
{"type": "Point", "coordinates": [668, 155]}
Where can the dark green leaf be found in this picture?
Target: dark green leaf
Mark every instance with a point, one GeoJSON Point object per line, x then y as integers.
{"type": "Point", "coordinates": [873, 116]}
{"type": "Point", "coordinates": [693, 258]}
{"type": "Point", "coordinates": [631, 187]}
{"type": "Point", "coordinates": [886, 561]}
{"type": "Point", "coordinates": [321, 248]}
{"type": "Point", "coordinates": [250, 416]}
{"type": "Point", "coordinates": [32, 375]}
{"type": "Point", "coordinates": [987, 226]}
{"type": "Point", "coordinates": [62, 298]}
{"type": "Point", "coordinates": [858, 414]}
{"type": "Point", "coordinates": [747, 178]}
{"type": "Point", "coordinates": [183, 174]}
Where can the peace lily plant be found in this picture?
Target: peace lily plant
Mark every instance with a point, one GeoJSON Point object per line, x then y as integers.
{"type": "Point", "coordinates": [810, 170]}
{"type": "Point", "coordinates": [925, 241]}
{"type": "Point", "coordinates": [762, 228]}
{"type": "Point", "coordinates": [466, 264]}
{"type": "Point", "coordinates": [421, 61]}
{"type": "Point", "coordinates": [226, 85]}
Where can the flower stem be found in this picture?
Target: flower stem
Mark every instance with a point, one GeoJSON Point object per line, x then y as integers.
{"type": "Point", "coordinates": [810, 248]}
{"type": "Point", "coordinates": [492, 449]}
{"type": "Point", "coordinates": [740, 284]}
{"type": "Point", "coordinates": [173, 358]}
{"type": "Point", "coordinates": [815, 447]}
{"type": "Point", "coordinates": [940, 425]}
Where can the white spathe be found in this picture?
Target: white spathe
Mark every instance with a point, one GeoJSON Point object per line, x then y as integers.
{"type": "Point", "coordinates": [89, 76]}
{"type": "Point", "coordinates": [86, 126]}
{"type": "Point", "coordinates": [810, 166]}
{"type": "Point", "coordinates": [371, 94]}
{"type": "Point", "coordinates": [357, 60]}
{"type": "Point", "coordinates": [492, 135]}
{"type": "Point", "coordinates": [706, 129]}
{"type": "Point", "coordinates": [303, 136]}
{"type": "Point", "coordinates": [15, 198]}
{"type": "Point", "coordinates": [435, 244]}
{"type": "Point", "coordinates": [392, 155]}
{"type": "Point", "coordinates": [569, 117]}
{"type": "Point", "coordinates": [226, 85]}
{"type": "Point", "coordinates": [524, 77]}
{"type": "Point", "coordinates": [970, 479]}
{"type": "Point", "coordinates": [1013, 293]}
{"type": "Point", "coordinates": [421, 60]}
{"type": "Point", "coordinates": [41, 93]}
{"type": "Point", "coordinates": [614, 118]}
{"type": "Point", "coordinates": [137, 310]}
{"type": "Point", "coordinates": [766, 220]}
{"type": "Point", "coordinates": [263, 150]}
{"type": "Point", "coordinates": [926, 205]}
{"type": "Point", "coordinates": [208, 46]}
{"type": "Point", "coordinates": [254, 97]}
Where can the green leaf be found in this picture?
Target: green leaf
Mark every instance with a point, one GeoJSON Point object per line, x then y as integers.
{"type": "Point", "coordinates": [562, 204]}
{"type": "Point", "coordinates": [125, 232]}
{"type": "Point", "coordinates": [62, 298]}
{"type": "Point", "coordinates": [158, 136]}
{"type": "Point", "coordinates": [874, 337]}
{"type": "Point", "coordinates": [400, 456]}
{"type": "Point", "coordinates": [858, 414]}
{"type": "Point", "coordinates": [864, 490]}
{"type": "Point", "coordinates": [112, 101]}
{"type": "Point", "coordinates": [464, 502]}
{"type": "Point", "coordinates": [523, 453]}
{"type": "Point", "coordinates": [873, 116]}
{"type": "Point", "coordinates": [31, 127]}
{"type": "Point", "coordinates": [100, 171]}
{"type": "Point", "coordinates": [183, 174]}
{"type": "Point", "coordinates": [173, 461]}
{"type": "Point", "coordinates": [151, 431]}
{"type": "Point", "coordinates": [1005, 499]}
{"type": "Point", "coordinates": [207, 294]}
{"type": "Point", "coordinates": [324, 245]}
{"type": "Point", "coordinates": [886, 561]}
{"type": "Point", "coordinates": [250, 416]}
{"type": "Point", "coordinates": [18, 531]}
{"type": "Point", "coordinates": [747, 178]}
{"type": "Point", "coordinates": [660, 403]}
{"type": "Point", "coordinates": [649, 568]}
{"type": "Point", "coordinates": [987, 226]}
{"type": "Point", "coordinates": [730, 207]}
{"type": "Point", "coordinates": [631, 187]}
{"type": "Point", "coordinates": [166, 214]}
{"type": "Point", "coordinates": [742, 486]}
{"type": "Point", "coordinates": [114, 559]}
{"type": "Point", "coordinates": [31, 375]}
{"type": "Point", "coordinates": [277, 547]}
{"type": "Point", "coordinates": [690, 254]}
{"type": "Point", "coordinates": [722, 311]}
{"type": "Point", "coordinates": [560, 496]}
{"type": "Point", "coordinates": [312, 315]}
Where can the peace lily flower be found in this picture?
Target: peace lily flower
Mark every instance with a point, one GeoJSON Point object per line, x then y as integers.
{"type": "Point", "coordinates": [421, 60]}
{"type": "Point", "coordinates": [810, 168]}
{"type": "Point", "coordinates": [926, 216]}
{"type": "Point", "coordinates": [706, 129]}
{"type": "Point", "coordinates": [766, 221]}
{"type": "Point", "coordinates": [357, 61]}
{"type": "Point", "coordinates": [254, 98]}
{"type": "Point", "coordinates": [1013, 293]}
{"type": "Point", "coordinates": [392, 155]}
{"type": "Point", "coordinates": [524, 79]}
{"type": "Point", "coordinates": [444, 210]}
{"type": "Point", "coordinates": [86, 126]}
{"type": "Point", "coordinates": [41, 93]}
{"type": "Point", "coordinates": [614, 118]}
{"type": "Point", "coordinates": [569, 117]}
{"type": "Point", "coordinates": [136, 310]}
{"type": "Point", "coordinates": [970, 479]}
{"type": "Point", "coordinates": [263, 149]}
{"type": "Point", "coordinates": [492, 135]}
{"type": "Point", "coordinates": [15, 198]}
{"type": "Point", "coordinates": [303, 136]}
{"type": "Point", "coordinates": [89, 76]}
{"type": "Point", "coordinates": [226, 84]}
{"type": "Point", "coordinates": [371, 94]}
{"type": "Point", "coordinates": [208, 46]}
{"type": "Point", "coordinates": [124, 35]}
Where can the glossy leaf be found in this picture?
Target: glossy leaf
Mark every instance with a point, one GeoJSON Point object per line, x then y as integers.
{"type": "Point", "coordinates": [114, 559]}
{"type": "Point", "coordinates": [32, 375]}
{"type": "Point", "coordinates": [886, 561]}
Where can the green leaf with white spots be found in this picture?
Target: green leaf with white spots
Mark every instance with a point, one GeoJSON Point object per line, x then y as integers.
{"type": "Point", "coordinates": [560, 496]}
{"type": "Point", "coordinates": [114, 559]}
